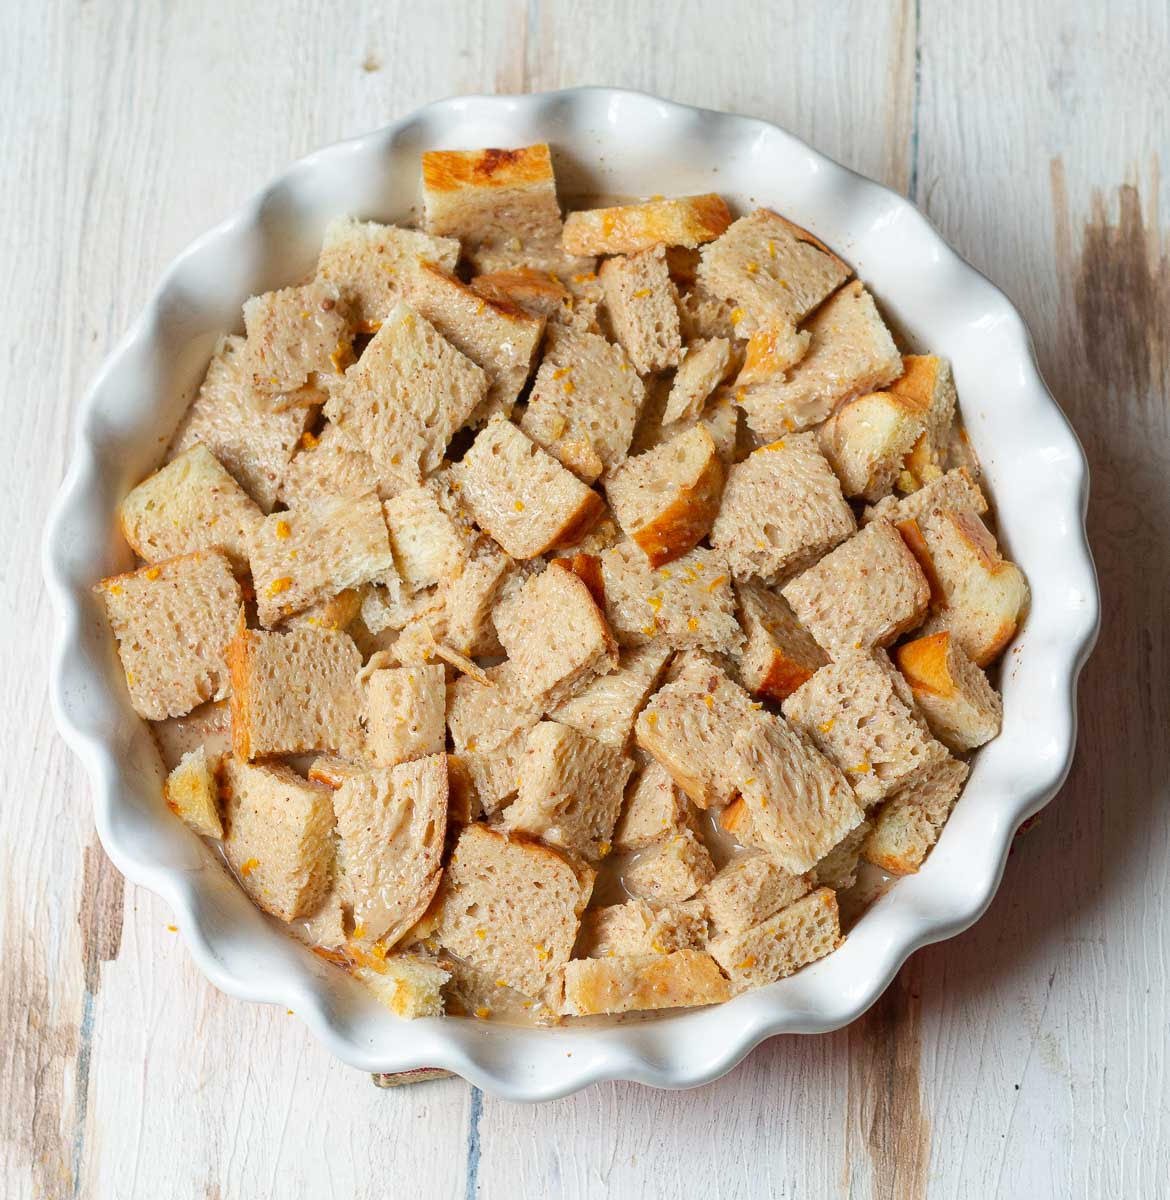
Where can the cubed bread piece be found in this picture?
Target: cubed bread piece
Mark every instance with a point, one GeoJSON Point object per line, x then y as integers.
{"type": "Point", "coordinates": [780, 654]}
{"type": "Point", "coordinates": [537, 292]}
{"type": "Point", "coordinates": [666, 499]}
{"type": "Point", "coordinates": [294, 692]}
{"type": "Point", "coordinates": [404, 398]}
{"type": "Point", "coordinates": [926, 384]}
{"type": "Point", "coordinates": [472, 992]}
{"type": "Point", "coordinates": [867, 440]}
{"type": "Point", "coordinates": [254, 446]}
{"type": "Point", "coordinates": [606, 707]}
{"type": "Point", "coordinates": [373, 265]}
{"type": "Point", "coordinates": [688, 727]}
{"type": "Point", "coordinates": [957, 490]}
{"type": "Point", "coordinates": [278, 836]}
{"type": "Point", "coordinates": [908, 824]}
{"type": "Point", "coordinates": [294, 334]}
{"type": "Point", "coordinates": [961, 707]}
{"type": "Point", "coordinates": [642, 303]}
{"type": "Point", "coordinates": [521, 495]}
{"type": "Point", "coordinates": [860, 713]}
{"type": "Point", "coordinates": [782, 509]}
{"type": "Point", "coordinates": [584, 402]}
{"type": "Point", "coordinates": [409, 985]}
{"type": "Point", "coordinates": [555, 637]}
{"type": "Point", "coordinates": [774, 270]}
{"type": "Point", "coordinates": [500, 336]}
{"type": "Point", "coordinates": [796, 936]}
{"type": "Point", "coordinates": [307, 554]}
{"type": "Point", "coordinates": [209, 726]}
{"type": "Point", "coordinates": [771, 352]}
{"type": "Point", "coordinates": [511, 907]}
{"type": "Point", "coordinates": [391, 824]}
{"type": "Point", "coordinates": [720, 418]}
{"type": "Point", "coordinates": [867, 592]}
{"type": "Point", "coordinates": [636, 928]}
{"type": "Point", "coordinates": [405, 713]}
{"type": "Point", "coordinates": [628, 228]}
{"type": "Point", "coordinates": [748, 890]}
{"type": "Point", "coordinates": [570, 792]}
{"type": "Point", "coordinates": [327, 464]}
{"type": "Point", "coordinates": [470, 598]}
{"type": "Point", "coordinates": [983, 594]}
{"type": "Point", "coordinates": [324, 927]}
{"type": "Point", "coordinates": [654, 807]}
{"type": "Point", "coordinates": [337, 612]}
{"type": "Point", "coordinates": [191, 793]}
{"type": "Point", "coordinates": [705, 363]}
{"type": "Point", "coordinates": [704, 315]}
{"type": "Point", "coordinates": [838, 869]}
{"type": "Point", "coordinates": [669, 870]}
{"type": "Point", "coordinates": [850, 351]}
{"type": "Point", "coordinates": [428, 538]}
{"type": "Point", "coordinates": [491, 196]}
{"type": "Point", "coordinates": [192, 503]}
{"type": "Point", "coordinates": [688, 604]}
{"type": "Point", "coordinates": [173, 622]}
{"type": "Point", "coordinates": [638, 983]}
{"type": "Point", "coordinates": [800, 804]}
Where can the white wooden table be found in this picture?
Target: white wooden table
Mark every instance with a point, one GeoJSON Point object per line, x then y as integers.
{"type": "Point", "coordinates": [1029, 1057]}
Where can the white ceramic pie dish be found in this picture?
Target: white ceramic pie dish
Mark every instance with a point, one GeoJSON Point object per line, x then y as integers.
{"type": "Point", "coordinates": [605, 142]}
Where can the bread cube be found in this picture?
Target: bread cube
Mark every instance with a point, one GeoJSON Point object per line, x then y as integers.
{"type": "Point", "coordinates": [374, 265]}
{"type": "Point", "coordinates": [688, 604]}
{"type": "Point", "coordinates": [748, 890]}
{"type": "Point", "coordinates": [192, 503]}
{"type": "Point", "coordinates": [800, 804]}
{"type": "Point", "coordinates": [173, 622]}
{"type": "Point", "coordinates": [628, 228]}
{"type": "Point", "coordinates": [404, 398]}
{"type": "Point", "coordinates": [780, 654]}
{"type": "Point", "coordinates": [720, 418]}
{"type": "Point", "coordinates": [961, 707]}
{"type": "Point", "coordinates": [666, 499]}
{"type": "Point", "coordinates": [570, 790]}
{"type": "Point", "coordinates": [688, 728]}
{"type": "Point", "coordinates": [636, 928]}
{"type": "Point", "coordinates": [703, 367]}
{"type": "Point", "coordinates": [642, 303]}
{"type": "Point", "coordinates": [555, 637]}
{"type": "Point", "coordinates": [254, 447]}
{"type": "Point", "coordinates": [701, 314]}
{"type": "Point", "coordinates": [428, 537]}
{"type": "Point", "coordinates": [782, 509]}
{"type": "Point", "coordinates": [584, 402]}
{"type": "Point", "coordinates": [536, 292]}
{"type": "Point", "coordinates": [391, 824]}
{"type": "Point", "coordinates": [860, 713]}
{"type": "Point", "coordinates": [654, 807]}
{"type": "Point", "coordinates": [867, 440]}
{"type": "Point", "coordinates": [771, 352]}
{"type": "Point", "coordinates": [328, 465]}
{"type": "Point", "coordinates": [324, 927]}
{"type": "Point", "coordinates": [294, 334]}
{"type": "Point", "coordinates": [774, 270]}
{"type": "Point", "coordinates": [522, 496]}
{"type": "Point", "coordinates": [191, 793]}
{"type": "Point", "coordinates": [511, 907]}
{"type": "Point", "coordinates": [927, 386]}
{"type": "Point", "coordinates": [669, 870]}
{"type": "Point", "coordinates": [207, 726]}
{"type": "Point", "coordinates": [409, 985]}
{"type": "Point", "coordinates": [470, 598]}
{"type": "Point", "coordinates": [278, 836]}
{"type": "Point", "coordinates": [838, 869]}
{"type": "Point", "coordinates": [957, 490]}
{"type": "Point", "coordinates": [909, 823]}
{"type": "Point", "coordinates": [405, 713]}
{"type": "Point", "coordinates": [983, 595]}
{"type": "Point", "coordinates": [307, 554]}
{"type": "Point", "coordinates": [500, 337]}
{"type": "Point", "coordinates": [684, 979]}
{"type": "Point", "coordinates": [797, 935]}
{"type": "Point", "coordinates": [294, 692]}
{"type": "Point", "coordinates": [605, 707]}
{"type": "Point", "coordinates": [867, 592]}
{"type": "Point", "coordinates": [850, 351]}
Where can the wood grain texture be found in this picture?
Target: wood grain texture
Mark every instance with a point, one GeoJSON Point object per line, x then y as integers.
{"type": "Point", "coordinates": [1028, 1057]}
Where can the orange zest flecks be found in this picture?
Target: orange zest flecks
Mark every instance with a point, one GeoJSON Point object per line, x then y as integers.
{"type": "Point", "coordinates": [716, 583]}
{"type": "Point", "coordinates": [747, 963]}
{"type": "Point", "coordinates": [248, 866]}
{"type": "Point", "coordinates": [309, 441]}
{"type": "Point", "coordinates": [283, 530]}
{"type": "Point", "coordinates": [279, 585]}
{"type": "Point", "coordinates": [153, 573]}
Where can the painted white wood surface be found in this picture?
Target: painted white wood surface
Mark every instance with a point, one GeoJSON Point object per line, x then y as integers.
{"type": "Point", "coordinates": [1029, 1057]}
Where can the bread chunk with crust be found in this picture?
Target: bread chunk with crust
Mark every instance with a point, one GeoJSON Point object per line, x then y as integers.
{"type": "Point", "coordinates": [606, 707]}
{"type": "Point", "coordinates": [867, 441]}
{"type": "Point", "coordinates": [957, 490]}
{"type": "Point", "coordinates": [636, 928]}
{"type": "Point", "coordinates": [642, 303]}
{"type": "Point", "coordinates": [782, 509]}
{"type": "Point", "coordinates": [628, 228]}
{"type": "Point", "coordinates": [405, 713]}
{"type": "Point", "coordinates": [927, 386]}
{"type": "Point", "coordinates": [409, 985]}
{"type": "Point", "coordinates": [173, 622]}
{"type": "Point", "coordinates": [192, 795]}
{"type": "Point", "coordinates": [669, 870]}
{"type": "Point", "coordinates": [654, 807]}
{"type": "Point", "coordinates": [704, 366]}
{"type": "Point", "coordinates": [511, 907]}
{"type": "Point", "coordinates": [428, 537]}
{"type": "Point", "coordinates": [780, 654]}
{"type": "Point", "coordinates": [748, 890]}
{"type": "Point", "coordinates": [909, 823]}
{"type": "Point", "coordinates": [961, 707]}
{"type": "Point", "coordinates": [636, 983]}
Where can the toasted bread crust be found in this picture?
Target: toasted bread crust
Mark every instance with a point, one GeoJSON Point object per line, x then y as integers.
{"type": "Point", "coordinates": [687, 221]}
{"type": "Point", "coordinates": [686, 520]}
{"type": "Point", "coordinates": [453, 170]}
